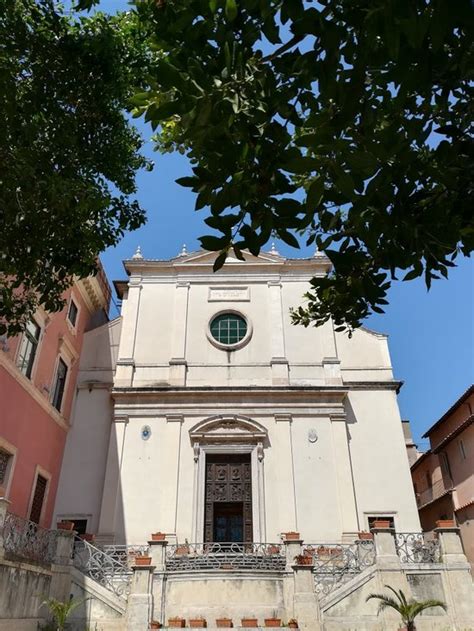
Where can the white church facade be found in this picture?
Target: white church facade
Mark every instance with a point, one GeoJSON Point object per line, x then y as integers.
{"type": "Point", "coordinates": [204, 413]}
{"type": "Point", "coordinates": [269, 457]}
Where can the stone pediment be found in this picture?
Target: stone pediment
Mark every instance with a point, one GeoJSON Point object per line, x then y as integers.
{"type": "Point", "coordinates": [207, 258]}
{"type": "Point", "coordinates": [227, 428]}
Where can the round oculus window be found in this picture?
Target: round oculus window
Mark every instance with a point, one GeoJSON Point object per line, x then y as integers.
{"type": "Point", "coordinates": [228, 329]}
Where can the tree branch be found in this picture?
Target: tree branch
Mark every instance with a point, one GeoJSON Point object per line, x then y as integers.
{"type": "Point", "coordinates": [279, 51]}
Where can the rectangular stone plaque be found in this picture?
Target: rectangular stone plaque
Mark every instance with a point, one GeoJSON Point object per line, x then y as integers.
{"type": "Point", "coordinates": [229, 294]}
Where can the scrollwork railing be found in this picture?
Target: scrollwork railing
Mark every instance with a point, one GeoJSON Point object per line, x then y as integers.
{"type": "Point", "coordinates": [26, 540]}
{"type": "Point", "coordinates": [106, 569]}
{"type": "Point", "coordinates": [414, 547]}
{"type": "Point", "coordinates": [335, 564]}
{"type": "Point", "coordinates": [125, 554]}
{"type": "Point", "coordinates": [195, 557]}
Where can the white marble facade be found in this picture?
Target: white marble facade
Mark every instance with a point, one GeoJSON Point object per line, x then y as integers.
{"type": "Point", "coordinates": [315, 412]}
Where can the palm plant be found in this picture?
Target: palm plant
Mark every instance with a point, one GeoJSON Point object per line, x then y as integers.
{"type": "Point", "coordinates": [60, 611]}
{"type": "Point", "coordinates": [408, 609]}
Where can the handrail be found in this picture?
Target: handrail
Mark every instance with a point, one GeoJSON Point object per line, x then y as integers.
{"type": "Point", "coordinates": [105, 569]}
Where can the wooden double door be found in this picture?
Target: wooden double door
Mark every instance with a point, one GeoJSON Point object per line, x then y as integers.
{"type": "Point", "coordinates": [228, 510]}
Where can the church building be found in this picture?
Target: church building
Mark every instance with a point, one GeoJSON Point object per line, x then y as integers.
{"type": "Point", "coordinates": [202, 412]}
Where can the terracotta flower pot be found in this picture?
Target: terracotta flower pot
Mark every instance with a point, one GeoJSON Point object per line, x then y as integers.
{"type": "Point", "coordinates": [381, 523]}
{"type": "Point", "coordinates": [365, 536]}
{"type": "Point", "coordinates": [249, 622]}
{"type": "Point", "coordinates": [158, 536]}
{"type": "Point", "coordinates": [225, 623]}
{"type": "Point", "coordinates": [142, 560]}
{"type": "Point", "coordinates": [154, 624]}
{"type": "Point", "coordinates": [304, 559]}
{"type": "Point", "coordinates": [87, 536]}
{"type": "Point", "coordinates": [292, 624]}
{"type": "Point", "coordinates": [176, 623]}
{"type": "Point", "coordinates": [64, 524]}
{"type": "Point", "coordinates": [3, 491]}
{"type": "Point", "coordinates": [445, 523]}
{"type": "Point", "coordinates": [273, 622]}
{"type": "Point", "coordinates": [292, 536]}
{"type": "Point", "coordinates": [197, 623]}
{"type": "Point", "coordinates": [271, 549]}
{"type": "Point", "coordinates": [182, 549]}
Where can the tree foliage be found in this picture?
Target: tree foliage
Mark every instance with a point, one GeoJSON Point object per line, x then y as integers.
{"type": "Point", "coordinates": [408, 609]}
{"type": "Point", "coordinates": [347, 121]}
{"type": "Point", "coordinates": [68, 155]}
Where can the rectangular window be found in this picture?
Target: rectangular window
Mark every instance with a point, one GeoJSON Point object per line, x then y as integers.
{"type": "Point", "coordinates": [28, 348]}
{"type": "Point", "coordinates": [72, 313]}
{"type": "Point", "coordinates": [462, 450]}
{"type": "Point", "coordinates": [373, 518]}
{"type": "Point", "coordinates": [58, 391]}
{"type": "Point", "coordinates": [38, 499]}
{"type": "Point", "coordinates": [5, 459]}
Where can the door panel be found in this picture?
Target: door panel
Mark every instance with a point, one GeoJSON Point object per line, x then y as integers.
{"type": "Point", "coordinates": [228, 482]}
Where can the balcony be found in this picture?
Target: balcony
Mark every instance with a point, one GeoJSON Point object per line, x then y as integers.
{"type": "Point", "coordinates": [432, 493]}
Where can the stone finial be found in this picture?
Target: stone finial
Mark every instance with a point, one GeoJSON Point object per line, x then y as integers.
{"type": "Point", "coordinates": [184, 250]}
{"type": "Point", "coordinates": [273, 250]}
{"type": "Point", "coordinates": [318, 253]}
{"type": "Point", "coordinates": [138, 254]}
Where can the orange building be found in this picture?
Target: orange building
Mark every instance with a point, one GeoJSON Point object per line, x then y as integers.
{"type": "Point", "coordinates": [38, 372]}
{"type": "Point", "coordinates": [443, 477]}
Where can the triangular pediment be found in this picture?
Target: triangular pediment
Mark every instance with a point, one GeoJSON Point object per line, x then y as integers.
{"type": "Point", "coordinates": [202, 257]}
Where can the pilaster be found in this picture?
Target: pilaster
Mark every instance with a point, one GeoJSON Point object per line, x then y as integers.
{"type": "Point", "coordinates": [61, 568]}
{"type": "Point", "coordinates": [278, 362]}
{"type": "Point", "coordinates": [345, 482]}
{"type": "Point", "coordinates": [178, 365]}
{"type": "Point", "coordinates": [111, 495]}
{"type": "Point", "coordinates": [305, 602]}
{"type": "Point", "coordinates": [125, 362]}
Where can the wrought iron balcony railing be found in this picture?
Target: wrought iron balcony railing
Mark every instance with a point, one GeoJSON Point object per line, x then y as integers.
{"type": "Point", "coordinates": [334, 564]}
{"type": "Point", "coordinates": [26, 540]}
{"type": "Point", "coordinates": [415, 547]}
{"type": "Point", "coordinates": [197, 557]}
{"type": "Point", "coordinates": [110, 570]}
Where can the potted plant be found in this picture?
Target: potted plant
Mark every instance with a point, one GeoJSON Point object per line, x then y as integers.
{"type": "Point", "coordinates": [154, 624]}
{"type": "Point", "coordinates": [158, 536]}
{"type": "Point", "coordinates": [304, 559]}
{"type": "Point", "coordinates": [176, 622]}
{"type": "Point", "coordinates": [225, 623]}
{"type": "Point", "coordinates": [87, 536]}
{"type": "Point", "coordinates": [65, 524]}
{"type": "Point", "coordinates": [182, 549]}
{"type": "Point", "coordinates": [142, 559]}
{"type": "Point", "coordinates": [273, 549]}
{"type": "Point", "coordinates": [293, 623]}
{"type": "Point", "coordinates": [365, 536]}
{"type": "Point", "coordinates": [197, 623]}
{"type": "Point", "coordinates": [273, 622]}
{"type": "Point", "coordinates": [60, 611]}
{"type": "Point", "coordinates": [249, 622]}
{"type": "Point", "coordinates": [381, 523]}
{"type": "Point", "coordinates": [292, 535]}
{"type": "Point", "coordinates": [445, 523]}
{"type": "Point", "coordinates": [408, 609]}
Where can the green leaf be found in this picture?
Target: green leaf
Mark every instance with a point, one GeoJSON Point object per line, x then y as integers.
{"type": "Point", "coordinates": [315, 194]}
{"type": "Point", "coordinates": [288, 238]}
{"type": "Point", "coordinates": [212, 243]}
{"type": "Point", "coordinates": [231, 10]}
{"type": "Point", "coordinates": [301, 164]}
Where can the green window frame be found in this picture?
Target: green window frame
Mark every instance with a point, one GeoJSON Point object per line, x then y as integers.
{"type": "Point", "coordinates": [28, 348]}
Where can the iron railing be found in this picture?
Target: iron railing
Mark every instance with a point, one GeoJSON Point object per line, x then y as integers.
{"type": "Point", "coordinates": [108, 570]}
{"type": "Point", "coordinates": [415, 547]}
{"type": "Point", "coordinates": [196, 557]}
{"type": "Point", "coordinates": [23, 539]}
{"type": "Point", "coordinates": [334, 564]}
{"type": "Point", "coordinates": [125, 554]}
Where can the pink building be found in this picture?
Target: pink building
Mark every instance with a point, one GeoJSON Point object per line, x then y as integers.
{"type": "Point", "coordinates": [443, 477]}
{"type": "Point", "coordinates": [38, 372]}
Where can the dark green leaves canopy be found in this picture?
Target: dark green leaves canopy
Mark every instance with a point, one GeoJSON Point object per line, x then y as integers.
{"type": "Point", "coordinates": [344, 120]}
{"type": "Point", "coordinates": [68, 156]}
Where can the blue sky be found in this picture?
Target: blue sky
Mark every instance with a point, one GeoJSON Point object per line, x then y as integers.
{"type": "Point", "coordinates": [431, 334]}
